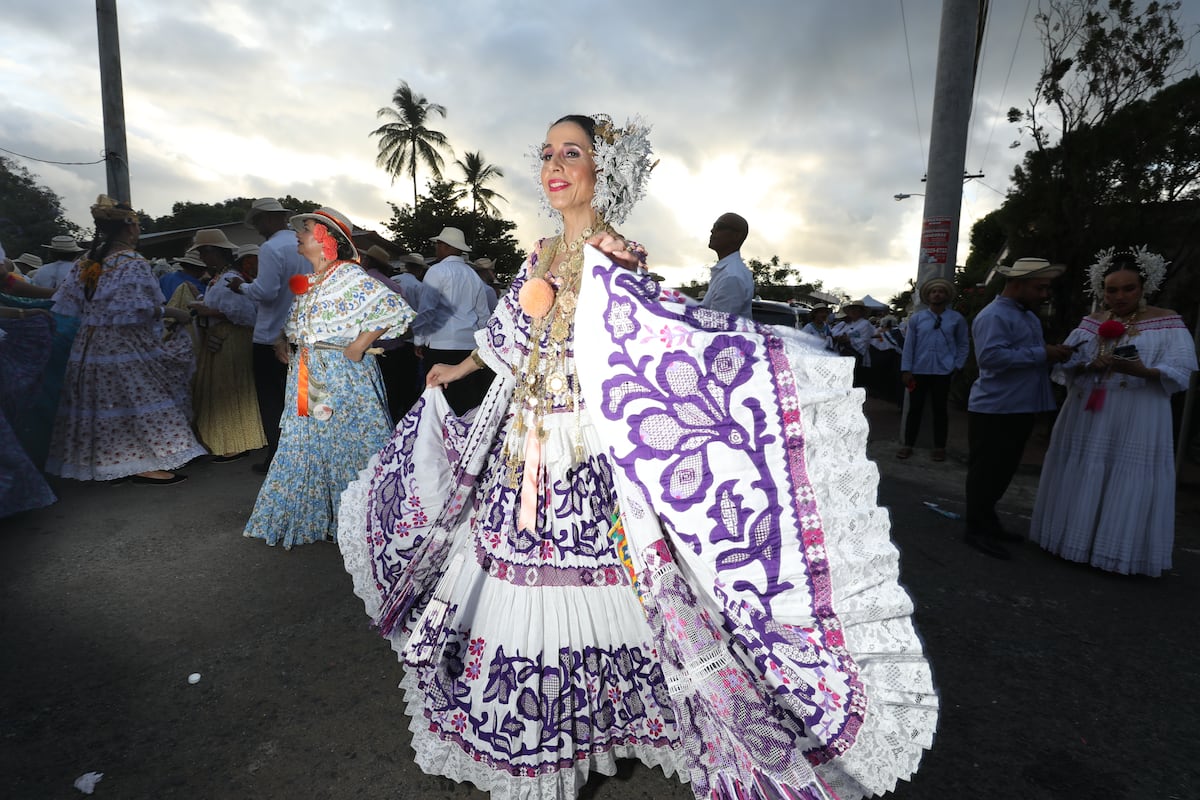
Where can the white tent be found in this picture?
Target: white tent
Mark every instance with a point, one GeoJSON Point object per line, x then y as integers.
{"type": "Point", "coordinates": [874, 305]}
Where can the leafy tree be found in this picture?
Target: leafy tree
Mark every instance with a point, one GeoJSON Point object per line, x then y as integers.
{"type": "Point", "coordinates": [903, 299]}
{"type": "Point", "coordinates": [1091, 187]}
{"type": "Point", "coordinates": [185, 215]}
{"type": "Point", "coordinates": [489, 236]}
{"type": "Point", "coordinates": [30, 214]}
{"type": "Point", "coordinates": [476, 173]}
{"type": "Point", "coordinates": [406, 141]}
{"type": "Point", "coordinates": [1099, 58]}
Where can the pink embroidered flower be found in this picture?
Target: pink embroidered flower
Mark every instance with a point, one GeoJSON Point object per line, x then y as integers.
{"type": "Point", "coordinates": [655, 727]}
{"type": "Point", "coordinates": [459, 721]}
{"type": "Point", "coordinates": [677, 626]}
{"type": "Point", "coordinates": [615, 694]}
{"type": "Point", "coordinates": [475, 647]}
{"type": "Point", "coordinates": [546, 550]}
{"type": "Point", "coordinates": [472, 671]}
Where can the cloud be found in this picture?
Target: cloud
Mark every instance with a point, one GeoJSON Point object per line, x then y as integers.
{"type": "Point", "coordinates": [800, 116]}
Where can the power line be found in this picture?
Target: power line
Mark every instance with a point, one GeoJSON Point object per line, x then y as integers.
{"type": "Point", "coordinates": [993, 188]}
{"type": "Point", "coordinates": [60, 163]}
{"type": "Point", "coordinates": [1013, 60]}
{"type": "Point", "coordinates": [980, 58]}
{"type": "Point", "coordinates": [913, 85]}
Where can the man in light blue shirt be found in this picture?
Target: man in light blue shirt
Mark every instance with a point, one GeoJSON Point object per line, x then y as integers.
{"type": "Point", "coordinates": [935, 347]}
{"type": "Point", "coordinates": [731, 285]}
{"type": "Point", "coordinates": [278, 260]}
{"type": "Point", "coordinates": [1013, 386]}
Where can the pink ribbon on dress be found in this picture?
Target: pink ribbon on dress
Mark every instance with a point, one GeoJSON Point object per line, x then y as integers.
{"type": "Point", "coordinates": [531, 480]}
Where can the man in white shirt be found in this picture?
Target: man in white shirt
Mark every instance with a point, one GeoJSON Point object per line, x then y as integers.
{"type": "Point", "coordinates": [453, 306]}
{"type": "Point", "coordinates": [278, 260]}
{"type": "Point", "coordinates": [731, 285]}
{"type": "Point", "coordinates": [485, 268]}
{"type": "Point", "coordinates": [64, 250]}
{"type": "Point", "coordinates": [852, 337]}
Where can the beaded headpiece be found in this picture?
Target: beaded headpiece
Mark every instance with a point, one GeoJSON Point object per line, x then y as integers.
{"type": "Point", "coordinates": [622, 157]}
{"type": "Point", "coordinates": [1151, 266]}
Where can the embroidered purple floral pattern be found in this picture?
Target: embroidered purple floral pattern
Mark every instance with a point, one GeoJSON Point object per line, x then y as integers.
{"type": "Point", "coordinates": [522, 713]}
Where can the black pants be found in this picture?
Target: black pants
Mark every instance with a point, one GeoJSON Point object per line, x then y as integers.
{"type": "Point", "coordinates": [270, 381]}
{"type": "Point", "coordinates": [468, 392]}
{"type": "Point", "coordinates": [401, 377]}
{"type": "Point", "coordinates": [936, 388]}
{"type": "Point", "coordinates": [997, 442]}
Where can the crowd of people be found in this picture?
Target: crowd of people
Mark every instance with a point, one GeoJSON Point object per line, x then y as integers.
{"type": "Point", "coordinates": [594, 519]}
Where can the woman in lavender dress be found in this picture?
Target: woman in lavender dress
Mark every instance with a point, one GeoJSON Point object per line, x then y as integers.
{"type": "Point", "coordinates": [125, 407]}
{"type": "Point", "coordinates": [621, 553]}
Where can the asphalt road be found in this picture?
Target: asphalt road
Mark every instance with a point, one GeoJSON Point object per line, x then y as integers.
{"type": "Point", "coordinates": [1057, 680]}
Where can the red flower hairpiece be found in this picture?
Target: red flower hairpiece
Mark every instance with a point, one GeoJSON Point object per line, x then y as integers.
{"type": "Point", "coordinates": [328, 244]}
{"type": "Point", "coordinates": [298, 284]}
{"type": "Point", "coordinates": [1111, 329]}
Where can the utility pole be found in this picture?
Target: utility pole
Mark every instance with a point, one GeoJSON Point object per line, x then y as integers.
{"type": "Point", "coordinates": [112, 100]}
{"type": "Point", "coordinates": [961, 30]}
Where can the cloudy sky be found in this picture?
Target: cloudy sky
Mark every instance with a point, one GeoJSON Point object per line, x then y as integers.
{"type": "Point", "coordinates": [798, 114]}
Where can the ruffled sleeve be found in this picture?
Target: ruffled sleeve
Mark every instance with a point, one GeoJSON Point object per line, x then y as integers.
{"type": "Point", "coordinates": [504, 339]}
{"type": "Point", "coordinates": [237, 308]}
{"type": "Point", "coordinates": [1083, 339]}
{"type": "Point", "coordinates": [1175, 358]}
{"type": "Point", "coordinates": [346, 304]}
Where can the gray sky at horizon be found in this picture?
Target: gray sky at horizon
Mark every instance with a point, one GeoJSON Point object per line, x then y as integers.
{"type": "Point", "coordinates": [797, 115]}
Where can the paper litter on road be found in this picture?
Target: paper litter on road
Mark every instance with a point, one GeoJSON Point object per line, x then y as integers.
{"type": "Point", "coordinates": [86, 782]}
{"type": "Point", "coordinates": [194, 678]}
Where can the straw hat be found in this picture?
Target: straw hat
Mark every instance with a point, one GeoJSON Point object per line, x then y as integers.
{"type": "Point", "coordinates": [265, 205]}
{"type": "Point", "coordinates": [245, 250]}
{"type": "Point", "coordinates": [212, 237]}
{"type": "Point", "coordinates": [191, 260]}
{"type": "Point", "coordinates": [414, 258]}
{"type": "Point", "coordinates": [29, 260]}
{"type": "Point", "coordinates": [453, 237]}
{"type": "Point", "coordinates": [337, 223]}
{"type": "Point", "coordinates": [63, 244]}
{"type": "Point", "coordinates": [1031, 268]}
{"type": "Point", "coordinates": [379, 254]}
{"type": "Point", "coordinates": [931, 284]}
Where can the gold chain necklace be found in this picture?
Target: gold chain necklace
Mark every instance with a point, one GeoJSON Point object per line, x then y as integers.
{"type": "Point", "coordinates": [545, 379]}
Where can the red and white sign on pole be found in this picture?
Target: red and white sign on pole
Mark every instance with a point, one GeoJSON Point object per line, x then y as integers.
{"type": "Point", "coordinates": [935, 246]}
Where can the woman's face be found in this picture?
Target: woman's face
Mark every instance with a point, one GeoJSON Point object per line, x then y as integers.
{"type": "Point", "coordinates": [1122, 291]}
{"type": "Point", "coordinates": [568, 169]}
{"type": "Point", "coordinates": [307, 244]}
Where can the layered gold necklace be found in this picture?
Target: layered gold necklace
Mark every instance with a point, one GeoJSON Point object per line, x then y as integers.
{"type": "Point", "coordinates": [545, 379]}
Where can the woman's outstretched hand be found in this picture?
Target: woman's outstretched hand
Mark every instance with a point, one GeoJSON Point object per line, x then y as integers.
{"type": "Point", "coordinates": [626, 254]}
{"type": "Point", "coordinates": [443, 374]}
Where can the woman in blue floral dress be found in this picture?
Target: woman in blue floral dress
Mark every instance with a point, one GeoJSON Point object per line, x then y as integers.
{"type": "Point", "coordinates": [336, 415]}
{"type": "Point", "coordinates": [622, 553]}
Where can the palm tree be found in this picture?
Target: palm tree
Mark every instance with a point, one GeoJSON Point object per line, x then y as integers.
{"type": "Point", "coordinates": [477, 172]}
{"type": "Point", "coordinates": [405, 141]}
